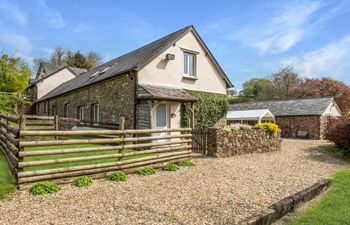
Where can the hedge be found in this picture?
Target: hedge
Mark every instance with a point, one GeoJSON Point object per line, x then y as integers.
{"type": "Point", "coordinates": [208, 109]}
{"type": "Point", "coordinates": [338, 131]}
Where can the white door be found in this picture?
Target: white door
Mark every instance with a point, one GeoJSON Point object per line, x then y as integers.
{"type": "Point", "coordinates": [161, 119]}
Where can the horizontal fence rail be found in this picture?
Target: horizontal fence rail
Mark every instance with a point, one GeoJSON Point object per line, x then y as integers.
{"type": "Point", "coordinates": [35, 154]}
{"type": "Point", "coordinates": [9, 140]}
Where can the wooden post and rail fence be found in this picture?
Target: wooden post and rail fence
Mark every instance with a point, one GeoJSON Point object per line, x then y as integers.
{"type": "Point", "coordinates": [65, 155]}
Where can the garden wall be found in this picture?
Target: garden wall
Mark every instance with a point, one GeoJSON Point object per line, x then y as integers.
{"type": "Point", "coordinates": [223, 143]}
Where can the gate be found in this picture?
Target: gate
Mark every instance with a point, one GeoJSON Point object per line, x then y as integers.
{"type": "Point", "coordinates": [200, 141]}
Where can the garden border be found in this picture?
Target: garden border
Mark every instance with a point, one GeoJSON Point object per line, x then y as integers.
{"type": "Point", "coordinates": [287, 205]}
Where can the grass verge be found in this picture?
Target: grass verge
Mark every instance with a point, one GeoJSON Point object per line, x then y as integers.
{"type": "Point", "coordinates": [333, 208]}
{"type": "Point", "coordinates": [7, 181]}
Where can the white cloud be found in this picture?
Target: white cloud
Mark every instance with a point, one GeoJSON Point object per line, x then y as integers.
{"type": "Point", "coordinates": [14, 12]}
{"type": "Point", "coordinates": [282, 31]}
{"type": "Point", "coordinates": [51, 15]}
{"type": "Point", "coordinates": [81, 27]}
{"type": "Point", "coordinates": [330, 60]}
{"type": "Point", "coordinates": [289, 23]}
{"type": "Point", "coordinates": [16, 42]}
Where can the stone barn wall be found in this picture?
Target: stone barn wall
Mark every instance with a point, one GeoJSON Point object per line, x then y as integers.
{"type": "Point", "coordinates": [290, 125]}
{"type": "Point", "coordinates": [223, 143]}
{"type": "Point", "coordinates": [114, 96]}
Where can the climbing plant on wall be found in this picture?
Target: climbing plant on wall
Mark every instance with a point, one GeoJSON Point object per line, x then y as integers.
{"type": "Point", "coordinates": [208, 109]}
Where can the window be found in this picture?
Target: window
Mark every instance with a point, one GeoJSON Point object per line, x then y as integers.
{"type": "Point", "coordinates": [54, 111]}
{"type": "Point", "coordinates": [189, 64]}
{"type": "Point", "coordinates": [161, 116]}
{"type": "Point", "coordinates": [95, 113]}
{"type": "Point", "coordinates": [66, 110]}
{"type": "Point", "coordinates": [81, 113]}
{"type": "Point", "coordinates": [46, 107]}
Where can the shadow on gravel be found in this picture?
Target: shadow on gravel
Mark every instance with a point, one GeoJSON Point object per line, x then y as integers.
{"type": "Point", "coordinates": [326, 153]}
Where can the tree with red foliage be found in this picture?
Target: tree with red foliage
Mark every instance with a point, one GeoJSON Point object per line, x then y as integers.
{"type": "Point", "coordinates": [325, 87]}
{"type": "Point", "coordinates": [338, 130]}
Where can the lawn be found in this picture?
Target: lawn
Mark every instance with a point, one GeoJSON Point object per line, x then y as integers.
{"type": "Point", "coordinates": [71, 155]}
{"type": "Point", "coordinates": [7, 181]}
{"type": "Point", "coordinates": [333, 208]}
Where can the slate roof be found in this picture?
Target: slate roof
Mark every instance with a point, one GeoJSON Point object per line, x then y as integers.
{"type": "Point", "coordinates": [134, 60]}
{"type": "Point", "coordinates": [297, 107]}
{"type": "Point", "coordinates": [49, 68]}
{"type": "Point", "coordinates": [77, 71]}
{"type": "Point", "coordinates": [54, 69]}
{"type": "Point", "coordinates": [146, 91]}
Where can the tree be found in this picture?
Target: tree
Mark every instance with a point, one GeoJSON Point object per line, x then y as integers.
{"type": "Point", "coordinates": [284, 81]}
{"type": "Point", "coordinates": [58, 56]}
{"type": "Point", "coordinates": [14, 74]}
{"type": "Point", "coordinates": [257, 88]}
{"type": "Point", "coordinates": [325, 87]}
{"type": "Point", "coordinates": [65, 57]}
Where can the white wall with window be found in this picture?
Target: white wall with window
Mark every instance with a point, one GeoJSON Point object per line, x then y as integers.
{"type": "Point", "coordinates": [190, 69]}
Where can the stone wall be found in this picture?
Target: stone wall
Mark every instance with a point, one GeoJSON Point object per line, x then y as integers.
{"type": "Point", "coordinates": [223, 143]}
{"type": "Point", "coordinates": [290, 125]}
{"type": "Point", "coordinates": [114, 96]}
{"type": "Point", "coordinates": [143, 115]}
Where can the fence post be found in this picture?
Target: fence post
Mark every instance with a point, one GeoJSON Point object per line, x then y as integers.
{"type": "Point", "coordinates": [121, 127]}
{"type": "Point", "coordinates": [56, 125]}
{"type": "Point", "coordinates": [121, 123]}
{"type": "Point", "coordinates": [22, 127]}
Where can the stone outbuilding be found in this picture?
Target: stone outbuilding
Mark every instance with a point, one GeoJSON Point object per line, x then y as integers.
{"type": "Point", "coordinates": [299, 117]}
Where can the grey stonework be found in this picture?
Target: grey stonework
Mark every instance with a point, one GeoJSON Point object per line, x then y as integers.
{"type": "Point", "coordinates": [223, 143]}
{"type": "Point", "coordinates": [290, 125]}
{"type": "Point", "coordinates": [143, 115]}
{"type": "Point", "coordinates": [114, 96]}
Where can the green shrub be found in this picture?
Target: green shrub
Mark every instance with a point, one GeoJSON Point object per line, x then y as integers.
{"type": "Point", "coordinates": [170, 167]}
{"type": "Point", "coordinates": [185, 163]}
{"type": "Point", "coordinates": [82, 181]}
{"type": "Point", "coordinates": [44, 188]}
{"type": "Point", "coordinates": [269, 127]}
{"type": "Point", "coordinates": [146, 171]}
{"type": "Point", "coordinates": [118, 176]}
{"type": "Point", "coordinates": [348, 114]}
{"type": "Point", "coordinates": [210, 108]}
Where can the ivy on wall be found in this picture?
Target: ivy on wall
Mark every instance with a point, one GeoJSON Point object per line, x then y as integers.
{"type": "Point", "coordinates": [208, 109]}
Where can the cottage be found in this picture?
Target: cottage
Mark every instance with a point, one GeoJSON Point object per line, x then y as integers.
{"type": "Point", "coordinates": [146, 86]}
{"type": "Point", "coordinates": [299, 117]}
{"type": "Point", "coordinates": [49, 77]}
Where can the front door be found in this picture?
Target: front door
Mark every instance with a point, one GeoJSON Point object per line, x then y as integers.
{"type": "Point", "coordinates": [161, 120]}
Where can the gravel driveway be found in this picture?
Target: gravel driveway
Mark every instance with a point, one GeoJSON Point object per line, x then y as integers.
{"type": "Point", "coordinates": [216, 191]}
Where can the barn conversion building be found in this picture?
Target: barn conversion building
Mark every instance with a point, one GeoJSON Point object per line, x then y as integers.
{"type": "Point", "coordinates": [299, 117]}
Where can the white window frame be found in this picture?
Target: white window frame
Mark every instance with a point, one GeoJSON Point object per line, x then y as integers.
{"type": "Point", "coordinates": [187, 64]}
{"type": "Point", "coordinates": [95, 113]}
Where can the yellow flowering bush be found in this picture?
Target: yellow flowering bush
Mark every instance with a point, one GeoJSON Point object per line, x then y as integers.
{"type": "Point", "coordinates": [269, 127]}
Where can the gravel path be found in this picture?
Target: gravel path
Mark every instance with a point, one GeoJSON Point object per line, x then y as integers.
{"type": "Point", "coordinates": [216, 191]}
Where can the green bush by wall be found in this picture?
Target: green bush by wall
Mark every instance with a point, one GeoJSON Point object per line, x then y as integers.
{"type": "Point", "coordinates": [208, 109]}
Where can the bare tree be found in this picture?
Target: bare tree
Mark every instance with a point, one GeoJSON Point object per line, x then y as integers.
{"type": "Point", "coordinates": [285, 80]}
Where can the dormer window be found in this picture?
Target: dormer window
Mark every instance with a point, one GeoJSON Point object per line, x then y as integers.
{"type": "Point", "coordinates": [190, 64]}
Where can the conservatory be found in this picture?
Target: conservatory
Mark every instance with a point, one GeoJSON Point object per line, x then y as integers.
{"type": "Point", "coordinates": [250, 117]}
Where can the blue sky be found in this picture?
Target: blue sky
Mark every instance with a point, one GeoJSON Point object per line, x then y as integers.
{"type": "Point", "coordinates": [248, 38]}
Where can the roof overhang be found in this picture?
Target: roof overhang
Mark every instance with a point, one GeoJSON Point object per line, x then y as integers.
{"type": "Point", "coordinates": [162, 93]}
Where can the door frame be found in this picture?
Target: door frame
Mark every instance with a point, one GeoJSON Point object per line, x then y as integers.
{"type": "Point", "coordinates": [154, 114]}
